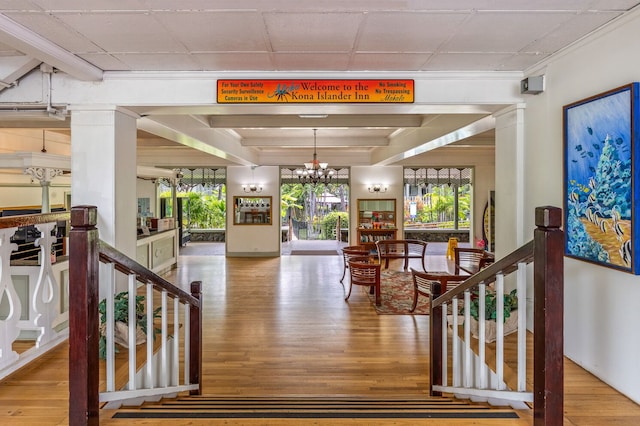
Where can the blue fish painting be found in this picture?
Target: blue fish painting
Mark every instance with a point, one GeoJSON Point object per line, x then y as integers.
{"type": "Point", "coordinates": [598, 179]}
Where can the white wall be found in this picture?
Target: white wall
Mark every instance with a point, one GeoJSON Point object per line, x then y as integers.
{"type": "Point", "coordinates": [601, 304]}
{"type": "Point", "coordinates": [146, 188]}
{"type": "Point", "coordinates": [253, 240]}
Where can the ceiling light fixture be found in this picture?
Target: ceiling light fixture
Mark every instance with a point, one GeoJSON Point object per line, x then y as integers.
{"type": "Point", "coordinates": [315, 172]}
{"type": "Point", "coordinates": [313, 115]}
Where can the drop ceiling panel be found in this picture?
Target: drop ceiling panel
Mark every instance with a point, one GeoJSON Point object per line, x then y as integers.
{"type": "Point", "coordinates": [475, 61]}
{"type": "Point", "coordinates": [408, 32]}
{"type": "Point", "coordinates": [49, 27]}
{"type": "Point", "coordinates": [110, 5]}
{"type": "Point", "coordinates": [123, 32]}
{"type": "Point", "coordinates": [238, 61]}
{"type": "Point", "coordinates": [219, 31]}
{"type": "Point", "coordinates": [503, 32]}
{"type": "Point", "coordinates": [159, 62]}
{"type": "Point", "coordinates": [310, 32]}
{"type": "Point", "coordinates": [571, 30]}
{"type": "Point", "coordinates": [312, 61]}
{"type": "Point", "coordinates": [390, 61]}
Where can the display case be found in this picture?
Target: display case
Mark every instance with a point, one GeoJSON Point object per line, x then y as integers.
{"type": "Point", "coordinates": [252, 210]}
{"type": "Point", "coordinates": [376, 221]}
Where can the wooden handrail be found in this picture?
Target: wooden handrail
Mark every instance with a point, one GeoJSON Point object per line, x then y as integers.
{"type": "Point", "coordinates": [86, 252]}
{"type": "Point", "coordinates": [128, 266]}
{"type": "Point", "coordinates": [32, 219]}
{"type": "Point", "coordinates": [503, 266]}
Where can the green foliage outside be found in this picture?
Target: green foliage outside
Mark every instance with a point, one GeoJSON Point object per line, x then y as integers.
{"type": "Point", "coordinates": [328, 225]}
{"type": "Point", "coordinates": [436, 209]}
{"type": "Point", "coordinates": [204, 211]}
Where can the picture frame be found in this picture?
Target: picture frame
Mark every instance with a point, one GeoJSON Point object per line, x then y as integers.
{"type": "Point", "coordinates": [600, 179]}
{"type": "Point", "coordinates": [252, 210]}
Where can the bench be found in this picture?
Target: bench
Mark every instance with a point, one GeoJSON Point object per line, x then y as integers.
{"type": "Point", "coordinates": [401, 249]}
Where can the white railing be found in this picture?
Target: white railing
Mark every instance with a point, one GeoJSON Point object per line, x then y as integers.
{"type": "Point", "coordinates": [470, 374]}
{"type": "Point", "coordinates": [34, 294]}
{"type": "Point", "coordinates": [159, 364]}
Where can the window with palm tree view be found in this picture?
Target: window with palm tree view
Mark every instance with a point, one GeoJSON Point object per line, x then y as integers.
{"type": "Point", "coordinates": [437, 198]}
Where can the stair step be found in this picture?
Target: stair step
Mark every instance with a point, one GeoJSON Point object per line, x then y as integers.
{"type": "Point", "coordinates": [211, 407]}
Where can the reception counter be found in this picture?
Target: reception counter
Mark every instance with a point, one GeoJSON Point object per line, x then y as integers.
{"type": "Point", "coordinates": [158, 251]}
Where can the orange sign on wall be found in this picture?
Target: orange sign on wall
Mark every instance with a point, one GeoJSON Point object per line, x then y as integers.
{"type": "Point", "coordinates": [314, 91]}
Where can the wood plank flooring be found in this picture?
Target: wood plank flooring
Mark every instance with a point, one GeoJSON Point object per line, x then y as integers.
{"type": "Point", "coordinates": [280, 327]}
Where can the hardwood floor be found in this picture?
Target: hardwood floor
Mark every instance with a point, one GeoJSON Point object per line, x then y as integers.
{"type": "Point", "coordinates": [281, 327]}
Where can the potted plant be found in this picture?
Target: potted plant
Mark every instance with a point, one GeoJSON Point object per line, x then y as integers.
{"type": "Point", "coordinates": [490, 314]}
{"type": "Point", "coordinates": [121, 318]}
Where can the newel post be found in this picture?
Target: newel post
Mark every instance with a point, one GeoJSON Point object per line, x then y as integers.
{"type": "Point", "coordinates": [83, 317]}
{"type": "Point", "coordinates": [195, 342]}
{"type": "Point", "coordinates": [435, 340]}
{"type": "Point", "coordinates": [548, 275]}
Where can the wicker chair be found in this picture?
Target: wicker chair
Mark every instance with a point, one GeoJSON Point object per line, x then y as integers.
{"type": "Point", "coordinates": [423, 282]}
{"type": "Point", "coordinates": [471, 260]}
{"type": "Point", "coordinates": [349, 252]}
{"type": "Point", "coordinates": [362, 272]}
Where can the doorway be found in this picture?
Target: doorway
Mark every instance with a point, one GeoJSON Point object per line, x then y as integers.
{"type": "Point", "coordinates": [314, 213]}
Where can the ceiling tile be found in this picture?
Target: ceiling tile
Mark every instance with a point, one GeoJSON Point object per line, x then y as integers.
{"type": "Point", "coordinates": [123, 32]}
{"type": "Point", "coordinates": [216, 31]}
{"type": "Point", "coordinates": [159, 62]}
{"type": "Point", "coordinates": [388, 61]}
{"type": "Point", "coordinates": [570, 31]}
{"type": "Point", "coordinates": [234, 61]}
{"type": "Point", "coordinates": [53, 29]}
{"type": "Point", "coordinates": [86, 5]}
{"type": "Point", "coordinates": [513, 31]}
{"type": "Point", "coordinates": [312, 32]}
{"type": "Point", "coordinates": [312, 61]}
{"type": "Point", "coordinates": [407, 32]}
{"type": "Point", "coordinates": [467, 62]}
{"type": "Point", "coordinates": [105, 62]}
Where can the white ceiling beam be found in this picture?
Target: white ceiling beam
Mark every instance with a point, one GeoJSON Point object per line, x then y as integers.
{"type": "Point", "coordinates": [294, 121]}
{"type": "Point", "coordinates": [26, 41]}
{"type": "Point", "coordinates": [478, 127]}
{"type": "Point", "coordinates": [321, 142]}
{"type": "Point", "coordinates": [214, 142]}
{"type": "Point", "coordinates": [13, 68]}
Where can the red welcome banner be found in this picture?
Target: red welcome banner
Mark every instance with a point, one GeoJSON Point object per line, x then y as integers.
{"type": "Point", "coordinates": [314, 91]}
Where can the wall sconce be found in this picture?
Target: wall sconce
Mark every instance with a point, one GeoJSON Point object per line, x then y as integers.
{"type": "Point", "coordinates": [252, 188]}
{"type": "Point", "coordinates": [378, 187]}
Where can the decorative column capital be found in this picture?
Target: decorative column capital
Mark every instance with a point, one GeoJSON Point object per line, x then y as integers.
{"type": "Point", "coordinates": [44, 174]}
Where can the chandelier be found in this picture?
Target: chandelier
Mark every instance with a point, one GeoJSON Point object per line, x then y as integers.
{"type": "Point", "coordinates": [315, 172]}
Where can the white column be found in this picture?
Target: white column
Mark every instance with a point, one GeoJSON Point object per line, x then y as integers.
{"type": "Point", "coordinates": [45, 175]}
{"type": "Point", "coordinates": [509, 178]}
{"type": "Point", "coordinates": [103, 171]}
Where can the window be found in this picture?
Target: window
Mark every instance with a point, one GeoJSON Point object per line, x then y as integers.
{"type": "Point", "coordinates": [437, 198]}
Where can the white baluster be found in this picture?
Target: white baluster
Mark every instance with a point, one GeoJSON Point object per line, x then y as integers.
{"type": "Point", "coordinates": [521, 277]}
{"type": "Point", "coordinates": [9, 330]}
{"type": "Point", "coordinates": [500, 331]}
{"type": "Point", "coordinates": [132, 319]}
{"type": "Point", "coordinates": [187, 343]}
{"type": "Point", "coordinates": [46, 294]}
{"type": "Point", "coordinates": [467, 339]}
{"type": "Point", "coordinates": [455, 345]}
{"type": "Point", "coordinates": [109, 273]}
{"type": "Point", "coordinates": [175, 369]}
{"type": "Point", "coordinates": [482, 337]}
{"type": "Point", "coordinates": [163, 345]}
{"type": "Point", "coordinates": [151, 382]}
{"type": "Point", "coordinates": [444, 345]}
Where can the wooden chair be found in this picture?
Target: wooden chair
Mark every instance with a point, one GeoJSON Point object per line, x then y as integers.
{"type": "Point", "coordinates": [423, 283]}
{"type": "Point", "coordinates": [362, 272]}
{"type": "Point", "coordinates": [471, 260]}
{"type": "Point", "coordinates": [349, 252]}
{"type": "Point", "coordinates": [401, 249]}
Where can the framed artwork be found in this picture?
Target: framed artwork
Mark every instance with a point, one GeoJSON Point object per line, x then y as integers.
{"type": "Point", "coordinates": [601, 180]}
{"type": "Point", "coordinates": [252, 210]}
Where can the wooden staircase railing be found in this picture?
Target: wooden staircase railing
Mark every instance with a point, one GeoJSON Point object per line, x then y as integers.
{"type": "Point", "coordinates": [161, 375]}
{"type": "Point", "coordinates": [470, 375]}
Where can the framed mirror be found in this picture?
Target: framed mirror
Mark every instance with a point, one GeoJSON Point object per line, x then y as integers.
{"type": "Point", "coordinates": [252, 210]}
